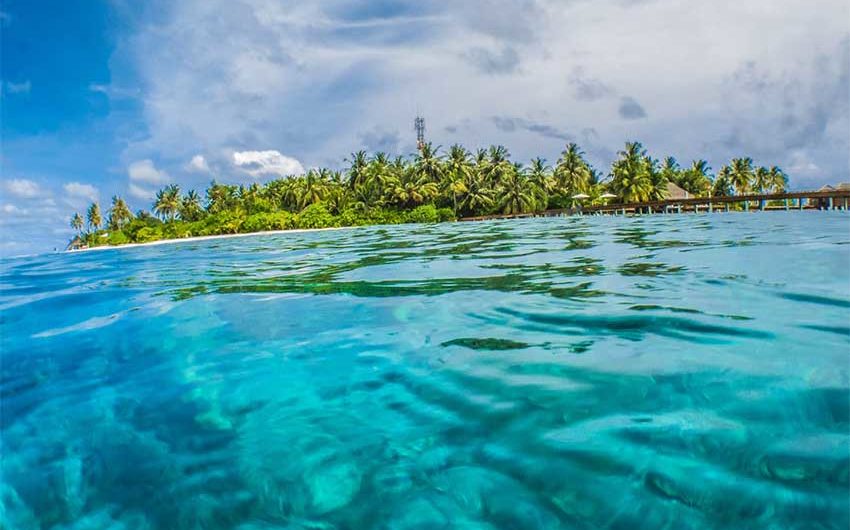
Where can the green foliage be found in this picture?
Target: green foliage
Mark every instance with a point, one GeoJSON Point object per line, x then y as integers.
{"type": "Point", "coordinates": [190, 207]}
{"type": "Point", "coordinates": [431, 186]}
{"type": "Point", "coordinates": [315, 216]}
{"type": "Point", "coordinates": [93, 216]}
{"type": "Point", "coordinates": [117, 237]}
{"type": "Point", "coordinates": [148, 233]}
{"type": "Point", "coordinates": [168, 202]}
{"type": "Point", "coordinates": [119, 214]}
{"type": "Point", "coordinates": [379, 216]}
{"type": "Point", "coordinates": [77, 222]}
{"type": "Point", "coordinates": [632, 180]}
{"type": "Point", "coordinates": [177, 230]}
{"type": "Point", "coordinates": [426, 213]}
{"type": "Point", "coordinates": [132, 229]}
{"type": "Point", "coordinates": [355, 218]}
{"type": "Point", "coordinates": [696, 180]}
{"type": "Point", "coordinates": [445, 215]}
{"type": "Point", "coordinates": [261, 222]}
{"type": "Point", "coordinates": [223, 222]}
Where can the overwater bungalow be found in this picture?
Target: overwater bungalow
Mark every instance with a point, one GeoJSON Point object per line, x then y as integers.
{"type": "Point", "coordinates": [822, 203]}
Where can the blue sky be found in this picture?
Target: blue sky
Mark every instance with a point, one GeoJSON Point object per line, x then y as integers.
{"type": "Point", "coordinates": [113, 97]}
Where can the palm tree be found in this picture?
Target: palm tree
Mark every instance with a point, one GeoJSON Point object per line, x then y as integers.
{"type": "Point", "coordinates": [77, 222]}
{"type": "Point", "coordinates": [761, 180]}
{"type": "Point", "coordinates": [722, 186]}
{"type": "Point", "coordinates": [291, 194]}
{"type": "Point", "coordinates": [428, 164]}
{"type": "Point", "coordinates": [482, 183]}
{"type": "Point", "coordinates": [220, 197]}
{"type": "Point", "coordinates": [517, 193]}
{"type": "Point", "coordinates": [495, 166]}
{"type": "Point", "coordinates": [478, 198]}
{"type": "Point", "coordinates": [778, 180]}
{"type": "Point", "coordinates": [336, 199]}
{"type": "Point", "coordinates": [572, 172]}
{"type": "Point", "coordinates": [741, 174]}
{"type": "Point", "coordinates": [457, 171]}
{"type": "Point", "coordinates": [412, 191]}
{"type": "Point", "coordinates": [119, 214]}
{"type": "Point", "coordinates": [167, 202]}
{"type": "Point", "coordinates": [311, 189]}
{"type": "Point", "coordinates": [630, 174]}
{"type": "Point", "coordinates": [357, 169]}
{"type": "Point", "coordinates": [94, 218]}
{"type": "Point", "coordinates": [380, 173]}
{"type": "Point", "coordinates": [696, 180]}
{"type": "Point", "coordinates": [190, 207]}
{"type": "Point", "coordinates": [541, 176]}
{"type": "Point", "coordinates": [671, 170]}
{"type": "Point", "coordinates": [657, 179]}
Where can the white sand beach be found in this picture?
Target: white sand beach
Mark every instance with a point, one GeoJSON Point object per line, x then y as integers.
{"type": "Point", "coordinates": [207, 238]}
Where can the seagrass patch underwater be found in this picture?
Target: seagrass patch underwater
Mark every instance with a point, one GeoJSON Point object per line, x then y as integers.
{"type": "Point", "coordinates": [682, 371]}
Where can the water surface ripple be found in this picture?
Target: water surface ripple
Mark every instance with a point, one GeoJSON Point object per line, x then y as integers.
{"type": "Point", "coordinates": [684, 371]}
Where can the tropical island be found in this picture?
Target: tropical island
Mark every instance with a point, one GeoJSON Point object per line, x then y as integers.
{"type": "Point", "coordinates": [427, 187]}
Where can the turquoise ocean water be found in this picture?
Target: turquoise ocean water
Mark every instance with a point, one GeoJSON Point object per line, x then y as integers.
{"type": "Point", "coordinates": [675, 372]}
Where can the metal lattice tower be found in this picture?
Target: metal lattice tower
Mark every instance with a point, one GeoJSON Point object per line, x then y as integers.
{"type": "Point", "coordinates": [419, 125]}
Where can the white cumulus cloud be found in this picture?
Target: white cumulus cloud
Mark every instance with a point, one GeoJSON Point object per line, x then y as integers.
{"type": "Point", "coordinates": [145, 171]}
{"type": "Point", "coordinates": [22, 188]}
{"type": "Point", "coordinates": [336, 70]}
{"type": "Point", "coordinates": [140, 192]}
{"type": "Point", "coordinates": [77, 190]}
{"type": "Point", "coordinates": [266, 163]}
{"type": "Point", "coordinates": [198, 164]}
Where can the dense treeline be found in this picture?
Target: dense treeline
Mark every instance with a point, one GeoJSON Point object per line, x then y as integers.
{"type": "Point", "coordinates": [428, 187]}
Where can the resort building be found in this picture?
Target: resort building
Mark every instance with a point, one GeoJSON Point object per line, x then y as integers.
{"type": "Point", "coordinates": [675, 192]}
{"type": "Point", "coordinates": [824, 203]}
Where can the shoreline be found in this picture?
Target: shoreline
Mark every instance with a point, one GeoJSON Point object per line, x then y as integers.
{"type": "Point", "coordinates": [546, 213]}
{"type": "Point", "coordinates": [203, 238]}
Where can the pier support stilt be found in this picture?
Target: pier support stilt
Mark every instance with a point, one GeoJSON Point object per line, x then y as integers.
{"type": "Point", "coordinates": [727, 207]}
{"type": "Point", "coordinates": [831, 204]}
{"type": "Point", "coordinates": [710, 208]}
{"type": "Point", "coordinates": [800, 204]}
{"type": "Point", "coordinates": [786, 205]}
{"type": "Point", "coordinates": [746, 206]}
{"type": "Point", "coordinates": [679, 208]}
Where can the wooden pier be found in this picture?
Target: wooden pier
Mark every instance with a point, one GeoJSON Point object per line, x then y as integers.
{"type": "Point", "coordinates": [798, 200]}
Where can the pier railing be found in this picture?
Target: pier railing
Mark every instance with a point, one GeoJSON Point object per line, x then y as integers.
{"type": "Point", "coordinates": [832, 199]}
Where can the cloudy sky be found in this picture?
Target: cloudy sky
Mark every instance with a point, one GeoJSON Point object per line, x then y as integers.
{"type": "Point", "coordinates": [122, 97]}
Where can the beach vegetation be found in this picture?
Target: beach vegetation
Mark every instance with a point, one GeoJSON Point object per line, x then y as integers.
{"type": "Point", "coordinates": [433, 185]}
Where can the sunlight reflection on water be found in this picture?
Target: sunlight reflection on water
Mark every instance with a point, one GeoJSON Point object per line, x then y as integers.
{"type": "Point", "coordinates": [667, 371]}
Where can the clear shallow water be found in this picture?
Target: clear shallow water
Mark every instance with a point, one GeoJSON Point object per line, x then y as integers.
{"type": "Point", "coordinates": [655, 372]}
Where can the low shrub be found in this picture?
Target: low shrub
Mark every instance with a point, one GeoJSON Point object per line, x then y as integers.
{"type": "Point", "coordinates": [224, 222]}
{"type": "Point", "coordinates": [261, 222]}
{"type": "Point", "coordinates": [315, 216]}
{"type": "Point", "coordinates": [148, 233]}
{"type": "Point", "coordinates": [353, 218]}
{"type": "Point", "coordinates": [446, 214]}
{"type": "Point", "coordinates": [427, 213]}
{"type": "Point", "coordinates": [117, 237]}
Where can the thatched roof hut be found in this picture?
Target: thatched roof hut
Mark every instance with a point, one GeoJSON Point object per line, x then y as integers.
{"type": "Point", "coordinates": [675, 192]}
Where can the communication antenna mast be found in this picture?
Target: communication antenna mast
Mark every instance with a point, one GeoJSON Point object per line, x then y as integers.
{"type": "Point", "coordinates": [419, 125]}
